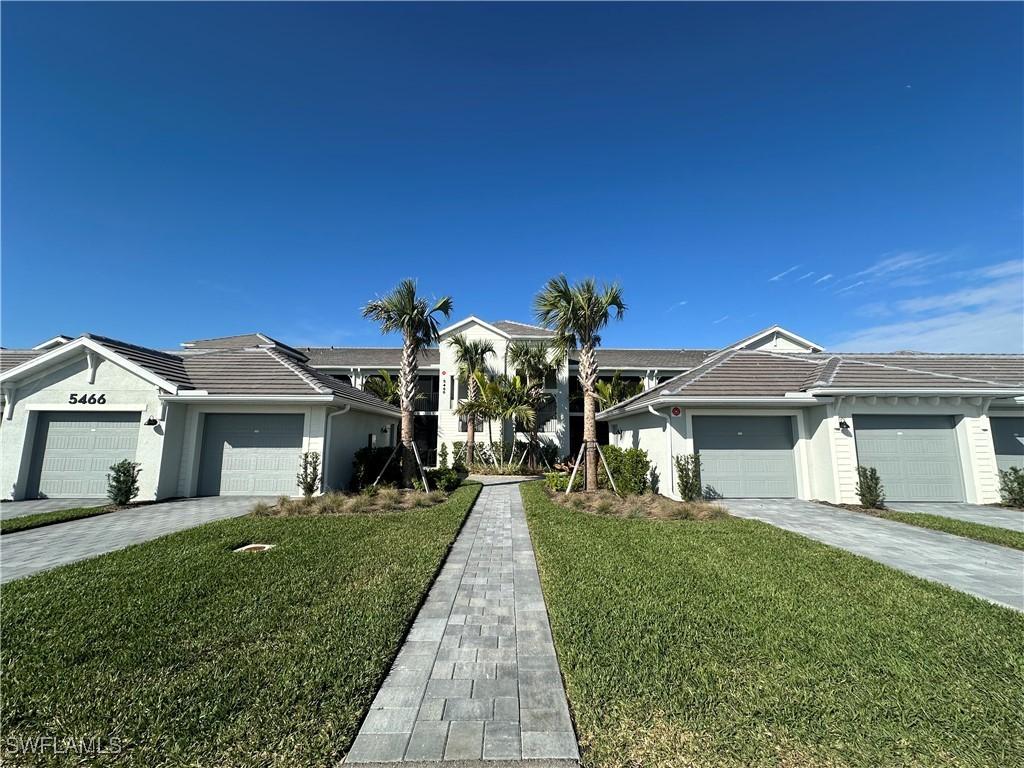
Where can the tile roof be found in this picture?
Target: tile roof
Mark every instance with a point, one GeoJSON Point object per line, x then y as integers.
{"type": "Point", "coordinates": [257, 371]}
{"type": "Point", "coordinates": [240, 341]}
{"type": "Point", "coordinates": [9, 358]}
{"type": "Point", "coordinates": [750, 374]}
{"type": "Point", "coordinates": [526, 330]}
{"type": "Point", "coordinates": [670, 359]}
{"type": "Point", "coordinates": [365, 357]}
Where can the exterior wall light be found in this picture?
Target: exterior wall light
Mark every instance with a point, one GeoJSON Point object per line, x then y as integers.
{"type": "Point", "coordinates": [151, 422]}
{"type": "Point", "coordinates": [844, 424]}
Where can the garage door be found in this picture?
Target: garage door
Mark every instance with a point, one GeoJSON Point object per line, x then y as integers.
{"type": "Point", "coordinates": [746, 456]}
{"type": "Point", "coordinates": [72, 452]}
{"type": "Point", "coordinates": [1008, 437]}
{"type": "Point", "coordinates": [916, 456]}
{"type": "Point", "coordinates": [250, 454]}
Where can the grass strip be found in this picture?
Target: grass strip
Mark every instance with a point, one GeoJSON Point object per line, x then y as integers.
{"type": "Point", "coordinates": [987, 533]}
{"type": "Point", "coordinates": [187, 653]}
{"type": "Point", "coordinates": [732, 643]}
{"type": "Point", "coordinates": [41, 519]}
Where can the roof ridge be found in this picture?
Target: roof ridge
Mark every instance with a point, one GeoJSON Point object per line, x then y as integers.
{"type": "Point", "coordinates": [293, 366]}
{"type": "Point", "coordinates": [926, 373]}
{"type": "Point", "coordinates": [109, 339]}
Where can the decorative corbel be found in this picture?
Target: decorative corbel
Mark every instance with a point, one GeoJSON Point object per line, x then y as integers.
{"type": "Point", "coordinates": [93, 361]}
{"type": "Point", "coordinates": [9, 393]}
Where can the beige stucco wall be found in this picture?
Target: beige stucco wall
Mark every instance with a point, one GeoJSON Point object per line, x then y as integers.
{"type": "Point", "coordinates": [50, 390]}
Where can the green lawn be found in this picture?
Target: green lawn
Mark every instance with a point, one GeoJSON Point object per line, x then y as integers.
{"type": "Point", "coordinates": [193, 655]}
{"type": "Point", "coordinates": [38, 520]}
{"type": "Point", "coordinates": [989, 533]}
{"type": "Point", "coordinates": [732, 643]}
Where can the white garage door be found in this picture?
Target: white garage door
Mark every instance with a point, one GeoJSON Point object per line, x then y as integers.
{"type": "Point", "coordinates": [746, 456]}
{"type": "Point", "coordinates": [250, 454]}
{"type": "Point", "coordinates": [916, 456]}
{"type": "Point", "coordinates": [72, 452]}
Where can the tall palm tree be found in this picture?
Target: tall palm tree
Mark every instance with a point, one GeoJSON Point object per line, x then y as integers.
{"type": "Point", "coordinates": [402, 311]}
{"type": "Point", "coordinates": [504, 399]}
{"type": "Point", "coordinates": [535, 362]}
{"type": "Point", "coordinates": [471, 356]}
{"type": "Point", "coordinates": [577, 314]}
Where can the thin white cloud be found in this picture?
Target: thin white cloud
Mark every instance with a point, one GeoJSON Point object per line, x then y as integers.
{"type": "Point", "coordinates": [905, 261]}
{"type": "Point", "coordinates": [721, 319]}
{"type": "Point", "coordinates": [783, 274]}
{"type": "Point", "coordinates": [850, 287]}
{"type": "Point", "coordinates": [676, 306]}
{"type": "Point", "coordinates": [823, 278]}
{"type": "Point", "coordinates": [804, 276]}
{"type": "Point", "coordinates": [986, 314]}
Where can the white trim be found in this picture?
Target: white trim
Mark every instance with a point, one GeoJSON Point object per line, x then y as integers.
{"type": "Point", "coordinates": [963, 392]}
{"type": "Point", "coordinates": [67, 407]}
{"type": "Point", "coordinates": [55, 342]}
{"type": "Point", "coordinates": [474, 319]}
{"type": "Point", "coordinates": [797, 398]}
{"type": "Point", "coordinates": [744, 343]}
{"type": "Point", "coordinates": [67, 350]}
{"type": "Point", "coordinates": [191, 397]}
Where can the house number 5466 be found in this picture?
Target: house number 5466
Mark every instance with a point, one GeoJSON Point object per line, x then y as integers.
{"type": "Point", "coordinates": [92, 399]}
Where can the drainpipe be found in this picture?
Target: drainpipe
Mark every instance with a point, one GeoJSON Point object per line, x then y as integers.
{"type": "Point", "coordinates": [327, 444]}
{"type": "Point", "coordinates": [668, 448]}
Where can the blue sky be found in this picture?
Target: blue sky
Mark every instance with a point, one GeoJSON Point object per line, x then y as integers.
{"type": "Point", "coordinates": [853, 172]}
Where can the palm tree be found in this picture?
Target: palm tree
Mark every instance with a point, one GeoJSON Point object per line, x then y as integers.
{"type": "Point", "coordinates": [402, 311]}
{"type": "Point", "coordinates": [577, 314]}
{"type": "Point", "coordinates": [383, 386]}
{"type": "Point", "coordinates": [471, 356]}
{"type": "Point", "coordinates": [536, 362]}
{"type": "Point", "coordinates": [613, 392]}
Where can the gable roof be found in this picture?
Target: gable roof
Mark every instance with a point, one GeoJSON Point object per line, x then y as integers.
{"type": "Point", "coordinates": [9, 358]}
{"type": "Point", "coordinates": [776, 330]}
{"type": "Point", "coordinates": [523, 330]}
{"type": "Point", "coordinates": [738, 374]}
{"type": "Point", "coordinates": [256, 372]}
{"type": "Point", "coordinates": [670, 359]}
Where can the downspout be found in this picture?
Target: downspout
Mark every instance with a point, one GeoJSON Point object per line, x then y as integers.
{"type": "Point", "coordinates": [327, 444]}
{"type": "Point", "coordinates": [668, 449]}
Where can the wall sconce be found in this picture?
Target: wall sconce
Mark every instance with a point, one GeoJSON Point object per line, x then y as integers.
{"type": "Point", "coordinates": [384, 430]}
{"type": "Point", "coordinates": [844, 424]}
{"type": "Point", "coordinates": [151, 422]}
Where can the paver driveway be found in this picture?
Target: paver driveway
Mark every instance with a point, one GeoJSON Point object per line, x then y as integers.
{"type": "Point", "coordinates": [1000, 517]}
{"type": "Point", "coordinates": [477, 677]}
{"type": "Point", "coordinates": [11, 509]}
{"type": "Point", "coordinates": [28, 552]}
{"type": "Point", "coordinates": [987, 571]}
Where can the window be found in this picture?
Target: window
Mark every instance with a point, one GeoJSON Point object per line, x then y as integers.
{"type": "Point", "coordinates": [478, 424]}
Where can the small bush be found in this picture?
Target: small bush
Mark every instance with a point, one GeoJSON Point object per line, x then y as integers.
{"type": "Point", "coordinates": [869, 488]}
{"type": "Point", "coordinates": [1011, 486]}
{"type": "Point", "coordinates": [631, 469]}
{"type": "Point", "coordinates": [443, 479]}
{"type": "Point", "coordinates": [367, 464]}
{"type": "Point", "coordinates": [688, 476]}
{"type": "Point", "coordinates": [262, 509]}
{"type": "Point", "coordinates": [360, 505]}
{"type": "Point", "coordinates": [123, 481]}
{"type": "Point", "coordinates": [389, 497]}
{"type": "Point", "coordinates": [442, 457]}
{"type": "Point", "coordinates": [309, 473]}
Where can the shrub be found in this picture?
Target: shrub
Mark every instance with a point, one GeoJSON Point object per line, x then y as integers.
{"type": "Point", "coordinates": [309, 473]}
{"type": "Point", "coordinates": [442, 457]}
{"type": "Point", "coordinates": [123, 481]}
{"type": "Point", "coordinates": [443, 479]}
{"type": "Point", "coordinates": [1011, 486]}
{"type": "Point", "coordinates": [869, 488]}
{"type": "Point", "coordinates": [459, 462]}
{"type": "Point", "coordinates": [688, 476]}
{"type": "Point", "coordinates": [367, 464]}
{"type": "Point", "coordinates": [631, 469]}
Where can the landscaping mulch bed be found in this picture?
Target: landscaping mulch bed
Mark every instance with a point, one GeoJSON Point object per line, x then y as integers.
{"type": "Point", "coordinates": [648, 505]}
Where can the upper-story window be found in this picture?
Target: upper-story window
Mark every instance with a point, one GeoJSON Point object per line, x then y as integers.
{"type": "Point", "coordinates": [427, 388]}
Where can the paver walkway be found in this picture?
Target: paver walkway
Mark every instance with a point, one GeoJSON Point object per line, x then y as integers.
{"type": "Point", "coordinates": [11, 509]}
{"type": "Point", "coordinates": [987, 571]}
{"type": "Point", "coordinates": [39, 549]}
{"type": "Point", "coordinates": [1001, 517]}
{"type": "Point", "coordinates": [477, 678]}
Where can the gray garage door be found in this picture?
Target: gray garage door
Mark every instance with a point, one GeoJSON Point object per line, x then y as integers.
{"type": "Point", "coordinates": [1008, 436]}
{"type": "Point", "coordinates": [250, 454]}
{"type": "Point", "coordinates": [72, 452]}
{"type": "Point", "coordinates": [916, 456]}
{"type": "Point", "coordinates": [746, 456]}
